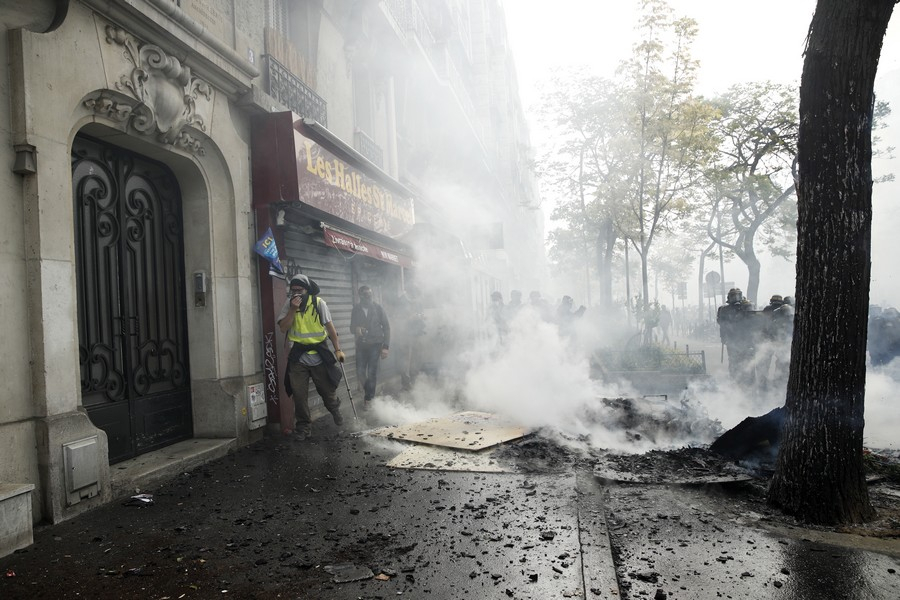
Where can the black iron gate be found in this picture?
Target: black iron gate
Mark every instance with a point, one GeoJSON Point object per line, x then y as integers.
{"type": "Point", "coordinates": [132, 330]}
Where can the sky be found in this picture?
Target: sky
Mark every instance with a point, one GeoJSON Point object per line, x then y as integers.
{"type": "Point", "coordinates": [764, 42]}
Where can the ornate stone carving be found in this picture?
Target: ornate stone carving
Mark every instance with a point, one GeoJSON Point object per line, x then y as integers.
{"type": "Point", "coordinates": [168, 99]}
{"type": "Point", "coordinates": [141, 119]}
{"type": "Point", "coordinates": [106, 106]}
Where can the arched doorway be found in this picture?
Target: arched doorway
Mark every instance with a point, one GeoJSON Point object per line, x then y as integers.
{"type": "Point", "coordinates": [133, 351]}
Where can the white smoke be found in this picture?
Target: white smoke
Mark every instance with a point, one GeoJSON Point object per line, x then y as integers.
{"type": "Point", "coordinates": [731, 402]}
{"type": "Point", "coordinates": [539, 375]}
{"type": "Point", "coordinates": [882, 412]}
{"type": "Point", "coordinates": [535, 375]}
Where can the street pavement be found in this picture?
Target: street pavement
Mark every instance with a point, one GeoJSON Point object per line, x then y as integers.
{"type": "Point", "coordinates": [701, 543]}
{"type": "Point", "coordinates": [280, 518]}
{"type": "Point", "coordinates": [326, 519]}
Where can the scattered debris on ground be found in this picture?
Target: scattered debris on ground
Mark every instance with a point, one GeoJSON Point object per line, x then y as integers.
{"type": "Point", "coordinates": [680, 466]}
{"type": "Point", "coordinates": [884, 464]}
{"type": "Point", "coordinates": [538, 454]}
{"type": "Point", "coordinates": [659, 419]}
{"type": "Point", "coordinates": [347, 572]}
{"type": "Point", "coordinates": [139, 500]}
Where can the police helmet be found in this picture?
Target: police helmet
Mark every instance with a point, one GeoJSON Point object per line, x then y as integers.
{"type": "Point", "coordinates": [735, 295]}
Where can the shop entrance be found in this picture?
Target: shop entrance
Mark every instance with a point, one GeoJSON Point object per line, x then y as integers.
{"type": "Point", "coordinates": [132, 331]}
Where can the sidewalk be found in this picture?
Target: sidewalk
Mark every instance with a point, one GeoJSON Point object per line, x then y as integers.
{"type": "Point", "coordinates": [709, 543]}
{"type": "Point", "coordinates": [266, 521]}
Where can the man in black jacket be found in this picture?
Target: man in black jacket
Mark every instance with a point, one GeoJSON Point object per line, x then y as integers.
{"type": "Point", "coordinates": [369, 324]}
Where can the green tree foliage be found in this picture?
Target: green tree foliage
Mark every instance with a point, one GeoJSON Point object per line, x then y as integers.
{"type": "Point", "coordinates": [671, 265]}
{"type": "Point", "coordinates": [583, 169]}
{"type": "Point", "coordinates": [631, 151]}
{"type": "Point", "coordinates": [752, 183]}
{"type": "Point", "coordinates": [671, 143]}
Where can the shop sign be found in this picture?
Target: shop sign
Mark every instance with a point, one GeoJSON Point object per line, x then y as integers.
{"type": "Point", "coordinates": [330, 184]}
{"type": "Point", "coordinates": [354, 245]}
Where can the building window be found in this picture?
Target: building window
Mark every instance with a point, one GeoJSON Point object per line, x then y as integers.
{"type": "Point", "coordinates": [278, 17]}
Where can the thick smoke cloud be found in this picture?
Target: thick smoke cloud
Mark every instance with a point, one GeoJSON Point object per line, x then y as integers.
{"type": "Point", "coordinates": [882, 410]}
{"type": "Point", "coordinates": [535, 374]}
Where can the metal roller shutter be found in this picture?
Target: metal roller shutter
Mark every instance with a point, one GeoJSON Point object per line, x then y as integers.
{"type": "Point", "coordinates": [307, 253]}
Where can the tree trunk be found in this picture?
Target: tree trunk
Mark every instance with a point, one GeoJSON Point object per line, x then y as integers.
{"type": "Point", "coordinates": [819, 474]}
{"type": "Point", "coordinates": [701, 305]}
{"type": "Point", "coordinates": [606, 245]}
{"type": "Point", "coordinates": [753, 279]}
{"type": "Point", "coordinates": [645, 276]}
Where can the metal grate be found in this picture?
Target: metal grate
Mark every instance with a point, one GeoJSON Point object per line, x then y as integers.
{"type": "Point", "coordinates": [368, 148]}
{"type": "Point", "coordinates": [290, 90]}
{"type": "Point", "coordinates": [409, 17]}
{"type": "Point", "coordinates": [652, 358]}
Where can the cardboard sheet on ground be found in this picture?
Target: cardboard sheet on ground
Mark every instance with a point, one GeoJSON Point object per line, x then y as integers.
{"type": "Point", "coordinates": [468, 430]}
{"type": "Point", "coordinates": [448, 459]}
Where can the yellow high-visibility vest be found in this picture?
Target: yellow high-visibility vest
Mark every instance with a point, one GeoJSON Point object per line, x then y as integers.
{"type": "Point", "coordinates": [307, 328]}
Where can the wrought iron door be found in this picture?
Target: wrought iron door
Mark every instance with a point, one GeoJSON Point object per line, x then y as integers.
{"type": "Point", "coordinates": [132, 329]}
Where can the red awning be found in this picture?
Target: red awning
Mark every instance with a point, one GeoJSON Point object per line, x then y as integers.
{"type": "Point", "coordinates": [346, 242]}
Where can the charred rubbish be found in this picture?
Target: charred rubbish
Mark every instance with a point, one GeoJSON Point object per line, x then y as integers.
{"type": "Point", "coordinates": [754, 441]}
{"type": "Point", "coordinates": [656, 418]}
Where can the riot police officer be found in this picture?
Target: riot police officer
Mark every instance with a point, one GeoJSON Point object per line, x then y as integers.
{"type": "Point", "coordinates": [734, 319]}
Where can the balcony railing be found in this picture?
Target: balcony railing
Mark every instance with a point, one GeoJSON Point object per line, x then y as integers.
{"type": "Point", "coordinates": [290, 90]}
{"type": "Point", "coordinates": [409, 18]}
{"type": "Point", "coordinates": [368, 148]}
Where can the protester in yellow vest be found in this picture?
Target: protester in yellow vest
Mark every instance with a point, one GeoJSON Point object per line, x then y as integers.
{"type": "Point", "coordinates": [307, 321]}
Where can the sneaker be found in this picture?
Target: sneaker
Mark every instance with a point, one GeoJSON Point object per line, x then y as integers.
{"type": "Point", "coordinates": [338, 418]}
{"type": "Point", "coordinates": [303, 433]}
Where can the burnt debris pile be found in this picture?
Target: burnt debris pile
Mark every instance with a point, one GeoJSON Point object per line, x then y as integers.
{"type": "Point", "coordinates": [539, 454]}
{"type": "Point", "coordinates": [656, 419]}
{"type": "Point", "coordinates": [753, 442]}
{"type": "Point", "coordinates": [680, 466]}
